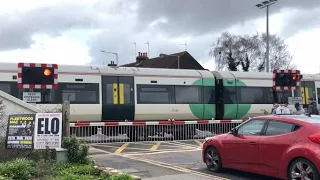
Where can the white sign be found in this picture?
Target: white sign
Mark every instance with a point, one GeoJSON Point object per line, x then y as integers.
{"type": "Point", "coordinates": [31, 97]}
{"type": "Point", "coordinates": [293, 100]}
{"type": "Point", "coordinates": [48, 131]}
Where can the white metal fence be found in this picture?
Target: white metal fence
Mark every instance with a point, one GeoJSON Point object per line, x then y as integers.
{"type": "Point", "coordinates": [104, 132]}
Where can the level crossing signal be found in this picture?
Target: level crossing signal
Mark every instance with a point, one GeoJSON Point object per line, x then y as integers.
{"type": "Point", "coordinates": [37, 76]}
{"type": "Point", "coordinates": [286, 80]}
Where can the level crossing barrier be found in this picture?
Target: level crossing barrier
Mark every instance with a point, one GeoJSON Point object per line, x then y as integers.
{"type": "Point", "coordinates": [106, 132]}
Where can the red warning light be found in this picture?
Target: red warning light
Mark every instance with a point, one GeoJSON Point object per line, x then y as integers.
{"type": "Point", "coordinates": [47, 72]}
{"type": "Point", "coordinates": [294, 78]}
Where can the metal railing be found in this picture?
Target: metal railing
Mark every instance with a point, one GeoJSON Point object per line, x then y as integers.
{"type": "Point", "coordinates": [106, 132]}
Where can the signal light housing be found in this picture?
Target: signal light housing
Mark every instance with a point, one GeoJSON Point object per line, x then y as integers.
{"type": "Point", "coordinates": [286, 79]}
{"type": "Point", "coordinates": [37, 76]}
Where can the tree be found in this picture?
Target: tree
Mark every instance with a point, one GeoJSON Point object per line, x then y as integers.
{"type": "Point", "coordinates": [248, 52]}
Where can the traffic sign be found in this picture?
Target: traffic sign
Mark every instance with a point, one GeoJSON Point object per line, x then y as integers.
{"type": "Point", "coordinates": [294, 100]}
{"type": "Point", "coordinates": [31, 97]}
{"type": "Point", "coordinates": [48, 131]}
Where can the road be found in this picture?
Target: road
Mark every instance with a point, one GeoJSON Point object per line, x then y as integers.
{"type": "Point", "coordinates": [163, 160]}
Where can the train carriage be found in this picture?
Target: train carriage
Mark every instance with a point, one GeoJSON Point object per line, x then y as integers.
{"type": "Point", "coordinates": [142, 94]}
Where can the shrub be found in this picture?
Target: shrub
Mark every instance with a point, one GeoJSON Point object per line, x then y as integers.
{"type": "Point", "coordinates": [121, 177]}
{"type": "Point", "coordinates": [21, 169]}
{"type": "Point", "coordinates": [77, 152]}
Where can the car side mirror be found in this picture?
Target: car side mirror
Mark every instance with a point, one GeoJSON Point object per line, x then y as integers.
{"type": "Point", "coordinates": [234, 131]}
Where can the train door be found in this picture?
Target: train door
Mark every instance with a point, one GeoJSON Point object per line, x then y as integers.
{"type": "Point", "coordinates": [307, 91]}
{"type": "Point", "coordinates": [117, 98]}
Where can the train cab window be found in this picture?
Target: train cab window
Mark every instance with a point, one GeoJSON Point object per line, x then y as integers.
{"type": "Point", "coordinates": [154, 94]}
{"type": "Point", "coordinates": [188, 94]}
{"type": "Point", "coordinates": [48, 96]}
{"type": "Point", "coordinates": [80, 93]}
{"type": "Point", "coordinates": [209, 95]}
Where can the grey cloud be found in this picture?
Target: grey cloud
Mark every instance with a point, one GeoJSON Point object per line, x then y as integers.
{"type": "Point", "coordinates": [16, 30]}
{"type": "Point", "coordinates": [301, 20]}
{"type": "Point", "coordinates": [202, 16]}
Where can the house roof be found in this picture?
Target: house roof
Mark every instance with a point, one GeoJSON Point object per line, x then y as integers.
{"type": "Point", "coordinates": [169, 61]}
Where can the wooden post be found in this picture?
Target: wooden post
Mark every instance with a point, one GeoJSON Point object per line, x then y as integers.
{"type": "Point", "coordinates": [65, 119]}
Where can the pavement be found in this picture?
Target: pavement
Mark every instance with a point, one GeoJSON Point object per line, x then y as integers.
{"type": "Point", "coordinates": [165, 160]}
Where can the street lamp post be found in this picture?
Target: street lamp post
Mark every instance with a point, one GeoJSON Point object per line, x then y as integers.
{"type": "Point", "coordinates": [173, 56]}
{"type": "Point", "coordinates": [266, 4]}
{"type": "Point", "coordinates": [112, 53]}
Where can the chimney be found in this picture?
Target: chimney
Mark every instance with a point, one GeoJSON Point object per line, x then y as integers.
{"type": "Point", "coordinates": [142, 56]}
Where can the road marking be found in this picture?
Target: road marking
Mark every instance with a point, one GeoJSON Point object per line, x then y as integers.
{"type": "Point", "coordinates": [159, 152]}
{"type": "Point", "coordinates": [199, 142]}
{"type": "Point", "coordinates": [182, 144]}
{"type": "Point", "coordinates": [155, 147]}
{"type": "Point", "coordinates": [170, 166]}
{"type": "Point", "coordinates": [124, 146]}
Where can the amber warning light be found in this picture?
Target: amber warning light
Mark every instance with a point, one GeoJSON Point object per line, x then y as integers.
{"type": "Point", "coordinates": [47, 72]}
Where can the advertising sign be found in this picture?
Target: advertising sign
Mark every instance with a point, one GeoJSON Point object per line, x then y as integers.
{"type": "Point", "coordinates": [48, 131]}
{"type": "Point", "coordinates": [20, 131]}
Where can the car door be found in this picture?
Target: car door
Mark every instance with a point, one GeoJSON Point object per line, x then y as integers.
{"type": "Point", "coordinates": [242, 150]}
{"type": "Point", "coordinates": [276, 140]}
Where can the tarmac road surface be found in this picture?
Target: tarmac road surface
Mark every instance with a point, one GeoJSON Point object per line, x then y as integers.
{"type": "Point", "coordinates": [162, 160]}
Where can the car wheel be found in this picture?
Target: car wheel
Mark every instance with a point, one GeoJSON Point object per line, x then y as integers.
{"type": "Point", "coordinates": [213, 159]}
{"type": "Point", "coordinates": [302, 169]}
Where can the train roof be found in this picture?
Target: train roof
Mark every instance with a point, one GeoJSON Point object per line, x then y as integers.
{"type": "Point", "coordinates": [87, 69]}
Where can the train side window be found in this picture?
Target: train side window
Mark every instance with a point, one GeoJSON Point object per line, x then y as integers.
{"type": "Point", "coordinates": [283, 96]}
{"type": "Point", "coordinates": [252, 95]}
{"type": "Point", "coordinates": [230, 95]}
{"type": "Point", "coordinates": [318, 93]}
{"type": "Point", "coordinates": [80, 93]}
{"type": "Point", "coordinates": [209, 95]}
{"type": "Point", "coordinates": [155, 94]}
{"type": "Point", "coordinates": [9, 88]}
{"type": "Point", "coordinates": [188, 94]}
{"type": "Point", "coordinates": [5, 87]}
{"type": "Point", "coordinates": [48, 96]}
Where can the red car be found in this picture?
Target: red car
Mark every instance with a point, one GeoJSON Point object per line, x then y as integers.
{"type": "Point", "coordinates": [281, 146]}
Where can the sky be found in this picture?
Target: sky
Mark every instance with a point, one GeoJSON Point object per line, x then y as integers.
{"type": "Point", "coordinates": [74, 32]}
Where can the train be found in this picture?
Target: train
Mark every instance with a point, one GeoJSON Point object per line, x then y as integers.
{"type": "Point", "coordinates": [110, 94]}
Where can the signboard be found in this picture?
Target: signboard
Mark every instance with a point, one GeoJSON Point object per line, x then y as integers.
{"type": "Point", "coordinates": [48, 131]}
{"type": "Point", "coordinates": [20, 131]}
{"type": "Point", "coordinates": [293, 100]}
{"type": "Point", "coordinates": [31, 97]}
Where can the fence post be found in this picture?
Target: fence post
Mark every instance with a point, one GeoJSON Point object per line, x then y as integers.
{"type": "Point", "coordinates": [65, 119]}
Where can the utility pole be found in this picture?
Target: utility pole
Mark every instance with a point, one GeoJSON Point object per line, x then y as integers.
{"type": "Point", "coordinates": [186, 46]}
{"type": "Point", "coordinates": [147, 43]}
{"type": "Point", "coordinates": [266, 4]}
{"type": "Point", "coordinates": [135, 48]}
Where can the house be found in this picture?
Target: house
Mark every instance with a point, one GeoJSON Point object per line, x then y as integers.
{"type": "Point", "coordinates": [166, 61]}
